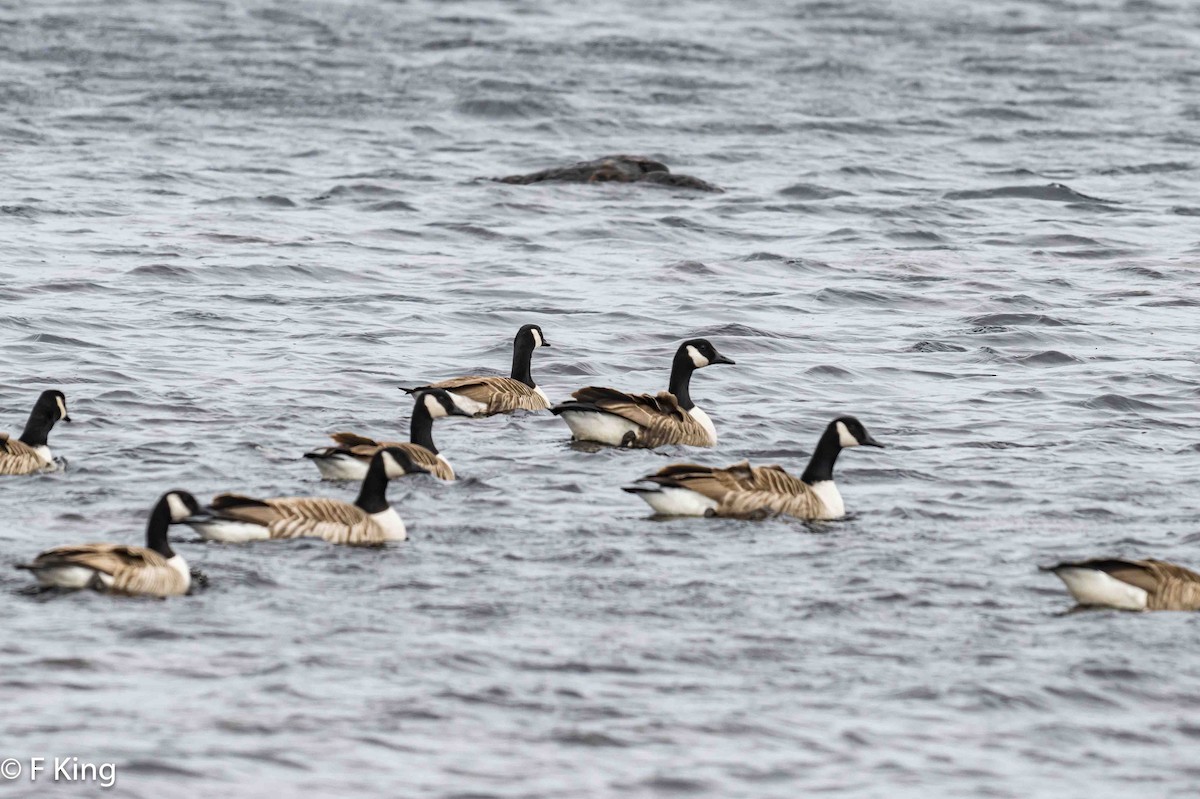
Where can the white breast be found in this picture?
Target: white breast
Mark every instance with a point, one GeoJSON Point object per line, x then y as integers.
{"type": "Point", "coordinates": [702, 417]}
{"type": "Point", "coordinates": [180, 565]}
{"type": "Point", "coordinates": [538, 390]}
{"type": "Point", "coordinates": [1094, 587]}
{"type": "Point", "coordinates": [391, 524]}
{"type": "Point", "coordinates": [831, 499]}
{"type": "Point", "coordinates": [44, 453]}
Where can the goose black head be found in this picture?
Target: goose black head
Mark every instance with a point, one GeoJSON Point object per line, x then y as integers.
{"type": "Point", "coordinates": [398, 462]}
{"type": "Point", "coordinates": [531, 336]}
{"type": "Point", "coordinates": [702, 353]}
{"type": "Point", "coordinates": [181, 504]}
{"type": "Point", "coordinates": [438, 403]}
{"type": "Point", "coordinates": [53, 403]}
{"type": "Point", "coordinates": [852, 433]}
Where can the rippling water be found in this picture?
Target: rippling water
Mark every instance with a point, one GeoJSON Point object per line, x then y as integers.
{"type": "Point", "coordinates": [229, 228]}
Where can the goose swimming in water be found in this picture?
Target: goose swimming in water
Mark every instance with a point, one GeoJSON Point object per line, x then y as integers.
{"type": "Point", "coordinates": [613, 417]}
{"type": "Point", "coordinates": [486, 396]}
{"type": "Point", "coordinates": [153, 570]}
{"type": "Point", "coordinates": [1130, 584]}
{"type": "Point", "coordinates": [369, 521]}
{"type": "Point", "coordinates": [31, 453]}
{"type": "Point", "coordinates": [349, 460]}
{"type": "Point", "coordinates": [745, 491]}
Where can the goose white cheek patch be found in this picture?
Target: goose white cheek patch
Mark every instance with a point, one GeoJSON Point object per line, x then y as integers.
{"type": "Point", "coordinates": [62, 408]}
{"type": "Point", "coordinates": [537, 338]}
{"type": "Point", "coordinates": [844, 436]}
{"type": "Point", "coordinates": [179, 510]}
{"type": "Point", "coordinates": [698, 360]}
{"type": "Point", "coordinates": [434, 407]}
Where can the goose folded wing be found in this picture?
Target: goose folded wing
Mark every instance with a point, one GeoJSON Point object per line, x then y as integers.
{"type": "Point", "coordinates": [17, 457]}
{"type": "Point", "coordinates": [498, 393]}
{"type": "Point", "coordinates": [359, 445]}
{"type": "Point", "coordinates": [475, 387]}
{"type": "Point", "coordinates": [364, 447]}
{"type": "Point", "coordinates": [742, 490]}
{"type": "Point", "coordinates": [641, 409]}
{"type": "Point", "coordinates": [106, 558]}
{"type": "Point", "coordinates": [712, 483]}
{"type": "Point", "coordinates": [329, 519]}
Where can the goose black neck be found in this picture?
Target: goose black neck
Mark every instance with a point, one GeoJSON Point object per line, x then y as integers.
{"type": "Point", "coordinates": [156, 529]}
{"type": "Point", "coordinates": [681, 379]}
{"type": "Point", "coordinates": [372, 497]}
{"type": "Point", "coordinates": [820, 466]}
{"type": "Point", "coordinates": [522, 357]}
{"type": "Point", "coordinates": [420, 430]}
{"type": "Point", "coordinates": [37, 429]}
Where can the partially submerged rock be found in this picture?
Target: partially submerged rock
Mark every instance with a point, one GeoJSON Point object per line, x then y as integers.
{"type": "Point", "coordinates": [616, 169]}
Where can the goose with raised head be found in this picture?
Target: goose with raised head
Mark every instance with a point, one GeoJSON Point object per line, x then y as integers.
{"type": "Point", "coordinates": [369, 521]}
{"type": "Point", "coordinates": [487, 395]}
{"type": "Point", "coordinates": [31, 453]}
{"type": "Point", "coordinates": [745, 491]}
{"type": "Point", "coordinates": [613, 417]}
{"type": "Point", "coordinates": [152, 570]}
{"type": "Point", "coordinates": [1130, 584]}
{"type": "Point", "coordinates": [350, 458]}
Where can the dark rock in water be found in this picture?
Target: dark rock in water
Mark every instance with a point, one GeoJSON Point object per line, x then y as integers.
{"type": "Point", "coordinates": [616, 169]}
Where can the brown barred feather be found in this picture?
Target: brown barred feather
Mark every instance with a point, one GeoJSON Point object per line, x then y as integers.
{"type": "Point", "coordinates": [742, 490]}
{"type": "Point", "coordinates": [17, 457]}
{"type": "Point", "coordinates": [499, 394]}
{"type": "Point", "coordinates": [135, 570]}
{"type": "Point", "coordinates": [1168, 586]}
{"type": "Point", "coordinates": [305, 517]}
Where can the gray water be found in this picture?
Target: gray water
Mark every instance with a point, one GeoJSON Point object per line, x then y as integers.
{"type": "Point", "coordinates": [231, 228]}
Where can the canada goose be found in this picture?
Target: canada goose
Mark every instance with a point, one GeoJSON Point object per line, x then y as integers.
{"type": "Point", "coordinates": [746, 491]}
{"type": "Point", "coordinates": [485, 396]}
{"type": "Point", "coordinates": [642, 420]}
{"type": "Point", "coordinates": [30, 453]}
{"type": "Point", "coordinates": [153, 570]}
{"type": "Point", "coordinates": [1130, 584]}
{"type": "Point", "coordinates": [349, 460]}
{"type": "Point", "coordinates": [369, 521]}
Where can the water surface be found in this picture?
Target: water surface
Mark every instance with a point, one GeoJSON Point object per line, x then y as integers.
{"type": "Point", "coordinates": [229, 229]}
